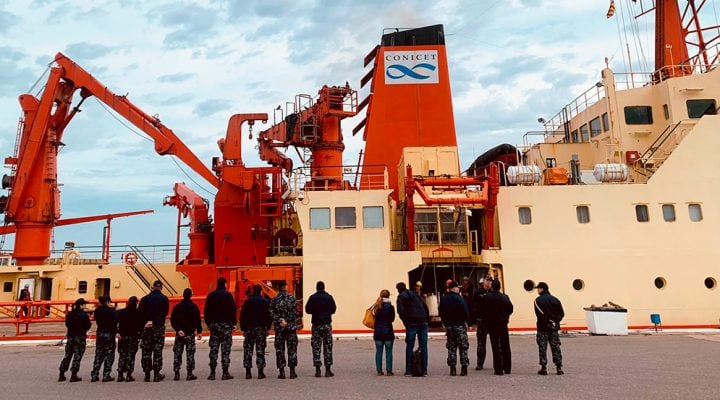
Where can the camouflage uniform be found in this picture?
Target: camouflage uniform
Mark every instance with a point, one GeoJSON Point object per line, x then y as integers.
{"type": "Point", "coordinates": [127, 349]}
{"type": "Point", "coordinates": [322, 337]}
{"type": "Point", "coordinates": [220, 338]}
{"type": "Point", "coordinates": [74, 349]}
{"type": "Point", "coordinates": [153, 340]}
{"type": "Point", "coordinates": [457, 339]}
{"type": "Point", "coordinates": [104, 353]}
{"type": "Point", "coordinates": [542, 340]}
{"type": "Point", "coordinates": [284, 307]}
{"type": "Point", "coordinates": [182, 343]}
{"type": "Point", "coordinates": [255, 337]}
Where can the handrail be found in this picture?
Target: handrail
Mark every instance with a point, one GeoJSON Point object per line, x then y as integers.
{"type": "Point", "coordinates": [159, 276]}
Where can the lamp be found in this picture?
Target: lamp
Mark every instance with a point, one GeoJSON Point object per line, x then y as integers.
{"type": "Point", "coordinates": [541, 120]}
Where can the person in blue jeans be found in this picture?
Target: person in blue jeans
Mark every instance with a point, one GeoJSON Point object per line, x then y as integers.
{"type": "Point", "coordinates": [384, 334]}
{"type": "Point", "coordinates": [415, 316]}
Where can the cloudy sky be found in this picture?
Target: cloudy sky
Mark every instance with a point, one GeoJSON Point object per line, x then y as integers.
{"type": "Point", "coordinates": [195, 63]}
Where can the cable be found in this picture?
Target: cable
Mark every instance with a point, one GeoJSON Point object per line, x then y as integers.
{"type": "Point", "coordinates": [189, 177]}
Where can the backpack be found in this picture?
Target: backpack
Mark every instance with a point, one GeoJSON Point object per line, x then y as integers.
{"type": "Point", "coordinates": [417, 363]}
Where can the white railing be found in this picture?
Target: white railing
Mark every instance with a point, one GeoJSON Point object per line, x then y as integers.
{"type": "Point", "coordinates": [351, 178]}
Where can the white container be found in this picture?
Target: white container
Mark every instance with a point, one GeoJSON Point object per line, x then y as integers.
{"type": "Point", "coordinates": [607, 322]}
{"type": "Point", "coordinates": [523, 174]}
{"type": "Point", "coordinates": [611, 172]}
{"type": "Point", "coordinates": [431, 301]}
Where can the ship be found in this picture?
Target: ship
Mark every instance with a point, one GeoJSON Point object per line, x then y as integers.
{"type": "Point", "coordinates": [613, 202]}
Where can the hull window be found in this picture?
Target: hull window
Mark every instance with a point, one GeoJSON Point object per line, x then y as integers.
{"type": "Point", "coordinates": [660, 282]}
{"type": "Point", "coordinates": [668, 211]}
{"type": "Point", "coordinates": [7, 287]}
{"type": "Point", "coordinates": [373, 217]}
{"type": "Point", "coordinates": [583, 214]}
{"type": "Point", "coordinates": [319, 218]}
{"type": "Point", "coordinates": [638, 115]}
{"type": "Point", "coordinates": [710, 283]}
{"type": "Point", "coordinates": [695, 211]}
{"type": "Point", "coordinates": [345, 217]}
{"type": "Point", "coordinates": [525, 215]}
{"type": "Point", "coordinates": [641, 213]}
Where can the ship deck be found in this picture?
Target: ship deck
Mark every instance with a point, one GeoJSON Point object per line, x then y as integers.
{"type": "Point", "coordinates": [648, 366]}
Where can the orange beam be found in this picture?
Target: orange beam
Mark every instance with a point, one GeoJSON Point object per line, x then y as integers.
{"type": "Point", "coordinates": [6, 230]}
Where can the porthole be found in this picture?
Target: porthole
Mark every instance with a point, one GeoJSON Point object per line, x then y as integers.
{"type": "Point", "coordinates": [578, 284]}
{"type": "Point", "coordinates": [710, 283]}
{"type": "Point", "coordinates": [660, 282]}
{"type": "Point", "coordinates": [529, 285]}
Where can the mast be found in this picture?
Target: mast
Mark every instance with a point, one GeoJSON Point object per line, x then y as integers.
{"type": "Point", "coordinates": [670, 47]}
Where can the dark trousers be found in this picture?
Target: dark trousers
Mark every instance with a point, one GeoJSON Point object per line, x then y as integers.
{"type": "Point", "coordinates": [500, 343]}
{"type": "Point", "coordinates": [482, 334]}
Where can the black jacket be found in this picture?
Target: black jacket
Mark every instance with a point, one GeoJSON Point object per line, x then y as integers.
{"type": "Point", "coordinates": [106, 320]}
{"type": "Point", "coordinates": [77, 322]}
{"type": "Point", "coordinates": [552, 309]}
{"type": "Point", "coordinates": [453, 310]}
{"type": "Point", "coordinates": [255, 312]}
{"type": "Point", "coordinates": [185, 317]}
{"type": "Point", "coordinates": [130, 322]}
{"type": "Point", "coordinates": [384, 318]}
{"type": "Point", "coordinates": [154, 307]}
{"type": "Point", "coordinates": [476, 303]}
{"type": "Point", "coordinates": [412, 309]}
{"type": "Point", "coordinates": [321, 306]}
{"type": "Point", "coordinates": [220, 308]}
{"type": "Point", "coordinates": [497, 309]}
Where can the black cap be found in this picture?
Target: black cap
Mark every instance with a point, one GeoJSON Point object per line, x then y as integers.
{"type": "Point", "coordinates": [157, 284]}
{"type": "Point", "coordinates": [80, 302]}
{"type": "Point", "coordinates": [453, 284]}
{"type": "Point", "coordinates": [542, 285]}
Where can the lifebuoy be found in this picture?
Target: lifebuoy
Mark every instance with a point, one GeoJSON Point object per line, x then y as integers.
{"type": "Point", "coordinates": [131, 258]}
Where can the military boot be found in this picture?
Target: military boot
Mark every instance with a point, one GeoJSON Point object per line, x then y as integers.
{"type": "Point", "coordinates": [248, 373]}
{"type": "Point", "coordinates": [453, 371]}
{"type": "Point", "coordinates": [191, 376]}
{"type": "Point", "coordinates": [121, 377]}
{"type": "Point", "coordinates": [108, 378]}
{"type": "Point", "coordinates": [317, 372]}
{"type": "Point", "coordinates": [293, 375]}
{"type": "Point", "coordinates": [560, 371]}
{"type": "Point", "coordinates": [463, 370]}
{"type": "Point", "coordinates": [261, 373]}
{"type": "Point", "coordinates": [129, 377]}
{"type": "Point", "coordinates": [328, 372]}
{"type": "Point", "coordinates": [211, 377]}
{"type": "Point", "coordinates": [282, 373]}
{"type": "Point", "coordinates": [61, 377]}
{"type": "Point", "coordinates": [75, 378]}
{"type": "Point", "coordinates": [543, 370]}
{"type": "Point", "coordinates": [226, 375]}
{"type": "Point", "coordinates": [158, 377]}
{"type": "Point", "coordinates": [94, 378]}
{"type": "Point", "coordinates": [147, 376]}
{"type": "Point", "coordinates": [177, 376]}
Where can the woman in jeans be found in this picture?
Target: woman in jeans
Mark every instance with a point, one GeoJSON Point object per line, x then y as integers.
{"type": "Point", "coordinates": [384, 334]}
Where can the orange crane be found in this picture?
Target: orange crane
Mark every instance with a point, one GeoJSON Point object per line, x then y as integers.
{"type": "Point", "coordinates": [33, 202]}
{"type": "Point", "coordinates": [314, 125]}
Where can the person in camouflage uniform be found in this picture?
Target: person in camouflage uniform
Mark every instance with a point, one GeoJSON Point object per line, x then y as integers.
{"type": "Point", "coordinates": [77, 323]}
{"type": "Point", "coordinates": [455, 317]}
{"type": "Point", "coordinates": [220, 316]}
{"type": "Point", "coordinates": [255, 322]}
{"type": "Point", "coordinates": [321, 306]}
{"type": "Point", "coordinates": [185, 320]}
{"type": "Point", "coordinates": [549, 312]}
{"type": "Point", "coordinates": [129, 326]}
{"type": "Point", "coordinates": [154, 309]}
{"type": "Point", "coordinates": [283, 311]}
{"type": "Point", "coordinates": [106, 320]}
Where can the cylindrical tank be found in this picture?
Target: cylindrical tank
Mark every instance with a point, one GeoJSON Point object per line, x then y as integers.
{"type": "Point", "coordinates": [431, 301]}
{"type": "Point", "coordinates": [523, 174]}
{"type": "Point", "coordinates": [610, 172]}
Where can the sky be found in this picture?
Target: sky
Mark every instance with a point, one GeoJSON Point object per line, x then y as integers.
{"type": "Point", "coordinates": [195, 63]}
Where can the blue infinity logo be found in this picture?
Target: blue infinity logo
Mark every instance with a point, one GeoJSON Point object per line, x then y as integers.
{"type": "Point", "coordinates": [401, 71]}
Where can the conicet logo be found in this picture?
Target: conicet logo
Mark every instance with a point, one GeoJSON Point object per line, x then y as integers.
{"type": "Point", "coordinates": [411, 67]}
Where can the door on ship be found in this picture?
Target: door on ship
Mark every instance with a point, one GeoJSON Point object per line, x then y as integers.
{"type": "Point", "coordinates": [46, 293]}
{"type": "Point", "coordinates": [102, 287]}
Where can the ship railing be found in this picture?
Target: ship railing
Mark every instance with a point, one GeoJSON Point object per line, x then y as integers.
{"type": "Point", "coordinates": [89, 255]}
{"type": "Point", "coordinates": [556, 124]}
{"type": "Point", "coordinates": [370, 177]}
{"type": "Point", "coordinates": [23, 314]}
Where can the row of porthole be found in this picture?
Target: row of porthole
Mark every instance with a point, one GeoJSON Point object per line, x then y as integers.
{"type": "Point", "coordinates": [660, 283]}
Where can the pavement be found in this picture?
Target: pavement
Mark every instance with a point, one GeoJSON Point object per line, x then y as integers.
{"type": "Point", "coordinates": [638, 366]}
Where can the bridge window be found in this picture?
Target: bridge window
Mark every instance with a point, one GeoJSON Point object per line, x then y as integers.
{"type": "Point", "coordinates": [453, 227]}
{"type": "Point", "coordinates": [666, 111]}
{"type": "Point", "coordinates": [605, 122]}
{"type": "Point", "coordinates": [698, 108]}
{"type": "Point", "coordinates": [638, 115]}
{"type": "Point", "coordinates": [641, 213]}
{"type": "Point", "coordinates": [584, 133]}
{"type": "Point", "coordinates": [525, 215]}
{"type": "Point", "coordinates": [695, 211]}
{"type": "Point", "coordinates": [319, 218]}
{"type": "Point", "coordinates": [7, 287]}
{"type": "Point", "coordinates": [668, 212]}
{"type": "Point", "coordinates": [373, 217]}
{"type": "Point", "coordinates": [345, 217]}
{"type": "Point", "coordinates": [82, 287]}
{"type": "Point", "coordinates": [583, 214]}
{"type": "Point", "coordinates": [574, 136]}
{"type": "Point", "coordinates": [595, 127]}
{"type": "Point", "coordinates": [426, 226]}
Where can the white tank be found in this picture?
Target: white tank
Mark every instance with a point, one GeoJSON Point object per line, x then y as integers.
{"type": "Point", "coordinates": [611, 172]}
{"type": "Point", "coordinates": [431, 301]}
{"type": "Point", "coordinates": [523, 174]}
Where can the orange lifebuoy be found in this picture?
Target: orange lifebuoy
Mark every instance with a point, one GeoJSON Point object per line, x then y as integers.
{"type": "Point", "coordinates": [131, 258]}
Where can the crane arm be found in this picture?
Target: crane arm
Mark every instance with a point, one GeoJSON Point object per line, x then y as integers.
{"type": "Point", "coordinates": [190, 203]}
{"type": "Point", "coordinates": [166, 142]}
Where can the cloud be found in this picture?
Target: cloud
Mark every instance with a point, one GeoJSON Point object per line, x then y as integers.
{"type": "Point", "coordinates": [176, 78]}
{"type": "Point", "coordinates": [85, 51]}
{"type": "Point", "coordinates": [15, 79]}
{"type": "Point", "coordinates": [7, 21]}
{"type": "Point", "coordinates": [209, 107]}
{"type": "Point", "coordinates": [191, 24]}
